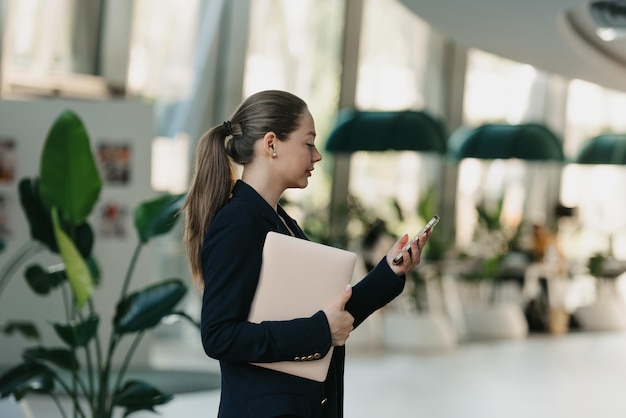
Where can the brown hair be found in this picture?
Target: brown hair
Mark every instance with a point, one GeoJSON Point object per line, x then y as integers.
{"type": "Point", "coordinates": [213, 179]}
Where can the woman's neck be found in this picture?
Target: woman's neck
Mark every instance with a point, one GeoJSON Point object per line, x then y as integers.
{"type": "Point", "coordinates": [264, 187]}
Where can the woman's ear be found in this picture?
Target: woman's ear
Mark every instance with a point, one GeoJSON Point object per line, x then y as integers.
{"type": "Point", "coordinates": [269, 143]}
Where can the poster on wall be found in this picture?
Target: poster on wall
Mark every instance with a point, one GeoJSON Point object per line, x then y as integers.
{"type": "Point", "coordinates": [114, 159]}
{"type": "Point", "coordinates": [113, 219]}
{"type": "Point", "coordinates": [7, 160]}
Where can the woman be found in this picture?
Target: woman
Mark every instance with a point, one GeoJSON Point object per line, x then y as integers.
{"type": "Point", "coordinates": [272, 135]}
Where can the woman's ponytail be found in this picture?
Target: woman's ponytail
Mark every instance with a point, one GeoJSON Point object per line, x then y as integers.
{"type": "Point", "coordinates": [212, 182]}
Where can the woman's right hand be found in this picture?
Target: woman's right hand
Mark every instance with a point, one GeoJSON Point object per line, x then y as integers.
{"type": "Point", "coordinates": [339, 320]}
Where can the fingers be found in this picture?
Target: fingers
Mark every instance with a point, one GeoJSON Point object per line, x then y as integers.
{"type": "Point", "coordinates": [344, 297]}
{"type": "Point", "coordinates": [400, 243]}
{"type": "Point", "coordinates": [340, 321]}
{"type": "Point", "coordinates": [410, 257]}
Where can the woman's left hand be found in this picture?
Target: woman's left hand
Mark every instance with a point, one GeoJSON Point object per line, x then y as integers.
{"type": "Point", "coordinates": [409, 260]}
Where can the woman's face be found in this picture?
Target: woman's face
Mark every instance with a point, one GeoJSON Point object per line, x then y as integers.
{"type": "Point", "coordinates": [296, 156]}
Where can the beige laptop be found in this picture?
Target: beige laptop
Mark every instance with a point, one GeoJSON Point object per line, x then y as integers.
{"type": "Point", "coordinates": [298, 278]}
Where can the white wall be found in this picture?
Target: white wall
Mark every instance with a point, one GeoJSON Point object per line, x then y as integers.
{"type": "Point", "coordinates": [117, 121]}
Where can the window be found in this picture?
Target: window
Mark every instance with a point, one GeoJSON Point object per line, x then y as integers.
{"type": "Point", "coordinates": [50, 49]}
{"type": "Point", "coordinates": [394, 59]}
{"type": "Point", "coordinates": [496, 89]}
{"type": "Point", "coordinates": [162, 49]}
{"type": "Point", "coordinates": [598, 191]}
{"type": "Point", "coordinates": [296, 46]}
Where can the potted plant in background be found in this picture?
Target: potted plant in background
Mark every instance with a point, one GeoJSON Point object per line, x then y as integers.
{"type": "Point", "coordinates": [57, 205]}
{"type": "Point", "coordinates": [608, 311]}
{"type": "Point", "coordinates": [492, 307]}
{"type": "Point", "coordinates": [418, 320]}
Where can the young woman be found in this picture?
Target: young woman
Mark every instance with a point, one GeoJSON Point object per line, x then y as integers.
{"type": "Point", "coordinates": [272, 135]}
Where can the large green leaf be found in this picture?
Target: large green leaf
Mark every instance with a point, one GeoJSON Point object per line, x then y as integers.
{"type": "Point", "coordinates": [68, 175]}
{"type": "Point", "coordinates": [40, 221]}
{"type": "Point", "coordinates": [76, 268]}
{"type": "Point", "coordinates": [26, 328]}
{"type": "Point", "coordinates": [144, 309]}
{"type": "Point", "coordinates": [61, 357]}
{"type": "Point", "coordinates": [42, 281]}
{"type": "Point", "coordinates": [157, 216]}
{"type": "Point", "coordinates": [136, 396]}
{"type": "Point", "coordinates": [37, 215]}
{"type": "Point", "coordinates": [25, 378]}
{"type": "Point", "coordinates": [78, 334]}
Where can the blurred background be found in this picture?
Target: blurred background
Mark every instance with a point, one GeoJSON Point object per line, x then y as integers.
{"type": "Point", "coordinates": [507, 120]}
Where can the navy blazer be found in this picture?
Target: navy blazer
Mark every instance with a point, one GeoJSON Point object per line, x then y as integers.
{"type": "Point", "coordinates": [231, 263]}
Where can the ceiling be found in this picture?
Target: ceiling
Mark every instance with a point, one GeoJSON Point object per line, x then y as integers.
{"type": "Point", "coordinates": [557, 36]}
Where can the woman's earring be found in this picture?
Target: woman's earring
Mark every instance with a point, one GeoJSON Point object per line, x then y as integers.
{"type": "Point", "coordinates": [274, 155]}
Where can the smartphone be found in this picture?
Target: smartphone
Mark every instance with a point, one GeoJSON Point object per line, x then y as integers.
{"type": "Point", "coordinates": [430, 225]}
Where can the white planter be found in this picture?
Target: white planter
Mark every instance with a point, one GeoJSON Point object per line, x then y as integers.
{"type": "Point", "coordinates": [418, 332]}
{"type": "Point", "coordinates": [604, 315]}
{"type": "Point", "coordinates": [498, 321]}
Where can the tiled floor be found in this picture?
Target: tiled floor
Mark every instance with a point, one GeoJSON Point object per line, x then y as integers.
{"type": "Point", "coordinates": [581, 375]}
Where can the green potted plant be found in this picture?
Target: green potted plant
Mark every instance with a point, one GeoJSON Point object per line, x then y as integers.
{"type": "Point", "coordinates": [57, 205]}
{"type": "Point", "coordinates": [417, 321]}
{"type": "Point", "coordinates": [486, 316]}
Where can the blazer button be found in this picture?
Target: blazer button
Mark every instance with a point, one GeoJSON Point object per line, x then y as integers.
{"type": "Point", "coordinates": [324, 401]}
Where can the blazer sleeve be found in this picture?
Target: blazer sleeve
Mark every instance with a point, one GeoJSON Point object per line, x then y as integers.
{"type": "Point", "coordinates": [379, 287]}
{"type": "Point", "coordinates": [232, 255]}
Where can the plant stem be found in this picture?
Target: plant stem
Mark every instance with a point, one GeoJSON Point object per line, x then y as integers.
{"type": "Point", "coordinates": [131, 268]}
{"type": "Point", "coordinates": [187, 317]}
{"type": "Point", "coordinates": [55, 398]}
{"type": "Point", "coordinates": [72, 395]}
{"type": "Point", "coordinates": [129, 356]}
{"type": "Point", "coordinates": [26, 251]}
{"type": "Point", "coordinates": [103, 407]}
{"type": "Point", "coordinates": [66, 304]}
{"type": "Point", "coordinates": [90, 376]}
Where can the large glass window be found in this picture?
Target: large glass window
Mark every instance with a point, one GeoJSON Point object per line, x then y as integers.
{"type": "Point", "coordinates": [38, 37]}
{"type": "Point", "coordinates": [162, 49]}
{"type": "Point", "coordinates": [393, 57]}
{"type": "Point", "coordinates": [598, 191]}
{"type": "Point", "coordinates": [498, 90]}
{"type": "Point", "coordinates": [395, 53]}
{"type": "Point", "coordinates": [592, 110]}
{"type": "Point", "coordinates": [49, 48]}
{"type": "Point", "coordinates": [296, 46]}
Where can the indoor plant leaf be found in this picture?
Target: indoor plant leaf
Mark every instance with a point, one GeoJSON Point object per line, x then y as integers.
{"type": "Point", "coordinates": [42, 281]}
{"type": "Point", "coordinates": [137, 395]}
{"type": "Point", "coordinates": [157, 216]}
{"type": "Point", "coordinates": [61, 357]}
{"type": "Point", "coordinates": [80, 333]}
{"type": "Point", "coordinates": [25, 328]}
{"type": "Point", "coordinates": [76, 269]}
{"type": "Point", "coordinates": [40, 221]}
{"type": "Point", "coordinates": [68, 175]}
{"type": "Point", "coordinates": [27, 377]}
{"type": "Point", "coordinates": [37, 215]}
{"type": "Point", "coordinates": [144, 309]}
